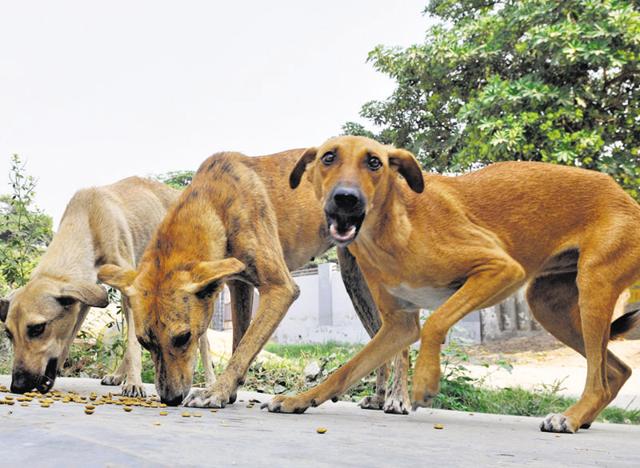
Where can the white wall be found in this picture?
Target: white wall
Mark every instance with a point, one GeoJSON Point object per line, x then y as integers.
{"type": "Point", "coordinates": [313, 319]}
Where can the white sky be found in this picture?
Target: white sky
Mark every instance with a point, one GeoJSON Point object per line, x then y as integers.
{"type": "Point", "coordinates": [92, 92]}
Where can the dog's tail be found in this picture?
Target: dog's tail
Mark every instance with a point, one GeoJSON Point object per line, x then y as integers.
{"type": "Point", "coordinates": [623, 324]}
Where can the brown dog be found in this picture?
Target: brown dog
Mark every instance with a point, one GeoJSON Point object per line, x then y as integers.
{"type": "Point", "coordinates": [238, 222]}
{"type": "Point", "coordinates": [456, 244]}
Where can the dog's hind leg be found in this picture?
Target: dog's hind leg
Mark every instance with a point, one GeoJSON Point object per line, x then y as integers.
{"type": "Point", "coordinates": [205, 357]}
{"type": "Point", "coordinates": [397, 400]}
{"type": "Point", "coordinates": [119, 375]}
{"type": "Point", "coordinates": [599, 285]}
{"type": "Point", "coordinates": [368, 314]}
{"type": "Point", "coordinates": [133, 358]}
{"type": "Point", "coordinates": [554, 303]}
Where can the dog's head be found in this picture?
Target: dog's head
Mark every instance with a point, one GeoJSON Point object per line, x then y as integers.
{"type": "Point", "coordinates": [41, 320]}
{"type": "Point", "coordinates": [172, 309]}
{"type": "Point", "coordinates": [353, 175]}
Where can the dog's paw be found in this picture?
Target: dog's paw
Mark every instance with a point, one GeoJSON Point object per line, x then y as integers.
{"type": "Point", "coordinates": [133, 390]}
{"type": "Point", "coordinates": [287, 404]}
{"type": "Point", "coordinates": [112, 379]}
{"type": "Point", "coordinates": [373, 402]}
{"type": "Point", "coordinates": [422, 399]}
{"type": "Point", "coordinates": [209, 398]}
{"type": "Point", "coordinates": [396, 405]}
{"type": "Point", "coordinates": [557, 423]}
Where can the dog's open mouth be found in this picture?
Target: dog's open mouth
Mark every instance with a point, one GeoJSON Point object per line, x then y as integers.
{"type": "Point", "coordinates": [344, 231]}
{"type": "Point", "coordinates": [45, 382]}
{"type": "Point", "coordinates": [342, 238]}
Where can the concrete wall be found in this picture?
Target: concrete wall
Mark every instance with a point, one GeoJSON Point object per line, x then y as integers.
{"type": "Point", "coordinates": [324, 312]}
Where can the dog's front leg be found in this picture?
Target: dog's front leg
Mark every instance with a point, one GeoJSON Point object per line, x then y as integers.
{"type": "Point", "coordinates": [399, 329]}
{"type": "Point", "coordinates": [274, 303]}
{"type": "Point", "coordinates": [490, 281]}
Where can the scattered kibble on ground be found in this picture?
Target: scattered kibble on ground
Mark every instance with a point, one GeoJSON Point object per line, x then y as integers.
{"type": "Point", "coordinates": [321, 430]}
{"type": "Point", "coordinates": [438, 426]}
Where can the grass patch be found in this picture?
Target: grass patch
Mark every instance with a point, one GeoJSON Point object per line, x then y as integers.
{"type": "Point", "coordinates": [313, 351]}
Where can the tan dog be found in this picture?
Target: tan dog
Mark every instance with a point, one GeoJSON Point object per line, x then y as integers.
{"type": "Point", "coordinates": [110, 224]}
{"type": "Point", "coordinates": [240, 223]}
{"type": "Point", "coordinates": [457, 244]}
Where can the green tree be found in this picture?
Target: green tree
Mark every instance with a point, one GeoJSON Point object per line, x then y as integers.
{"type": "Point", "coordinates": [541, 80]}
{"type": "Point", "coordinates": [25, 231]}
{"type": "Point", "coordinates": [176, 179]}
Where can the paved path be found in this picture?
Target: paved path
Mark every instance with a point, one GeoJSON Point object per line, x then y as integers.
{"type": "Point", "coordinates": [63, 435]}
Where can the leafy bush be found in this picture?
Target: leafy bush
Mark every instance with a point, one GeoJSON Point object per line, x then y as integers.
{"type": "Point", "coordinates": [517, 80]}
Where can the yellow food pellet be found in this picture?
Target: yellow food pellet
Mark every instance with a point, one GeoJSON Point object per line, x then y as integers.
{"type": "Point", "coordinates": [127, 408]}
{"type": "Point", "coordinates": [8, 397]}
{"type": "Point", "coordinates": [196, 415]}
{"type": "Point", "coordinates": [88, 411]}
{"type": "Point", "coordinates": [163, 405]}
{"type": "Point", "coordinates": [163, 413]}
{"type": "Point", "coordinates": [156, 423]}
{"type": "Point", "coordinates": [438, 426]}
{"type": "Point", "coordinates": [186, 415]}
{"type": "Point", "coordinates": [9, 402]}
{"type": "Point", "coordinates": [45, 405]}
{"type": "Point", "coordinates": [90, 407]}
{"type": "Point", "coordinates": [214, 410]}
{"type": "Point", "coordinates": [24, 404]}
{"type": "Point", "coordinates": [321, 430]}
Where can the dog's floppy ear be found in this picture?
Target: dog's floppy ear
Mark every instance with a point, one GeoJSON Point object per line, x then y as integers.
{"type": "Point", "coordinates": [4, 309]}
{"type": "Point", "coordinates": [407, 166]}
{"type": "Point", "coordinates": [117, 277]}
{"type": "Point", "coordinates": [207, 276]}
{"type": "Point", "coordinates": [90, 294]}
{"type": "Point", "coordinates": [296, 174]}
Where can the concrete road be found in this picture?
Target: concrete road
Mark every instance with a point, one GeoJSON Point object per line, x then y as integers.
{"type": "Point", "coordinates": [63, 435]}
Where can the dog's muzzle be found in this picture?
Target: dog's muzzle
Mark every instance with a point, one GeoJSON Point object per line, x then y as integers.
{"type": "Point", "coordinates": [173, 400]}
{"type": "Point", "coordinates": [345, 211]}
{"type": "Point", "coordinates": [23, 381]}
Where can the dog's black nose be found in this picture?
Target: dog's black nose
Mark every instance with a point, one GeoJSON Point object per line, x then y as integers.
{"type": "Point", "coordinates": [172, 401]}
{"type": "Point", "coordinates": [346, 198]}
{"type": "Point", "coordinates": [22, 382]}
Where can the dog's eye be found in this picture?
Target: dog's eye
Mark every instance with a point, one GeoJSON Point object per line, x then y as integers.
{"type": "Point", "coordinates": [374, 163]}
{"type": "Point", "coordinates": [181, 340]}
{"type": "Point", "coordinates": [34, 331]}
{"type": "Point", "coordinates": [328, 158]}
{"type": "Point", "coordinates": [65, 301]}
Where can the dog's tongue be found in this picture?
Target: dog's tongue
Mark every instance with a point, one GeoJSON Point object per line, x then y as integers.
{"type": "Point", "coordinates": [347, 236]}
